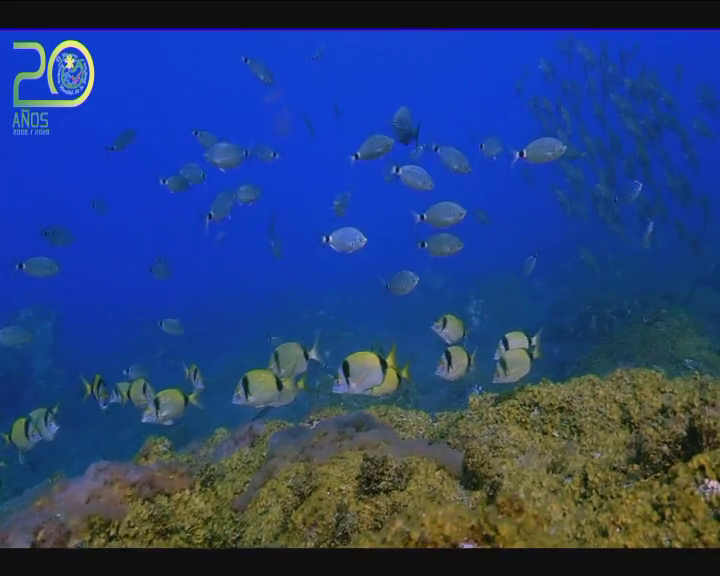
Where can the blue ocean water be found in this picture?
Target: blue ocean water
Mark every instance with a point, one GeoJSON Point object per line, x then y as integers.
{"type": "Point", "coordinates": [100, 314]}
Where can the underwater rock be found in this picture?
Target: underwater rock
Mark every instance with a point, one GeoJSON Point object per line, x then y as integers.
{"type": "Point", "coordinates": [380, 474]}
{"type": "Point", "coordinates": [104, 491]}
{"type": "Point", "coordinates": [346, 432]}
{"type": "Point", "coordinates": [665, 338]}
{"type": "Point", "coordinates": [224, 443]}
{"type": "Point", "coordinates": [629, 460]}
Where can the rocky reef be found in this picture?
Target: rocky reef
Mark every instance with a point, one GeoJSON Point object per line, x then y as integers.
{"type": "Point", "coordinates": [632, 459]}
{"type": "Point", "coordinates": [662, 337]}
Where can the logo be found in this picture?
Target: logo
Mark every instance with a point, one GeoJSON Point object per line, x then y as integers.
{"type": "Point", "coordinates": [70, 76]}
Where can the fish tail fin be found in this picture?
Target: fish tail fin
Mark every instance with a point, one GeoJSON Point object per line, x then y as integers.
{"type": "Point", "coordinates": [535, 341]}
{"type": "Point", "coordinates": [56, 409]}
{"type": "Point", "coordinates": [405, 373]}
{"type": "Point", "coordinates": [472, 358]}
{"type": "Point", "coordinates": [194, 399]}
{"type": "Point", "coordinates": [87, 387]}
{"type": "Point", "coordinates": [416, 217]}
{"type": "Point", "coordinates": [314, 352]}
{"type": "Point", "coordinates": [417, 136]}
{"type": "Point", "coordinates": [301, 383]}
{"type": "Point", "coordinates": [391, 358]}
{"type": "Point", "coordinates": [515, 157]}
{"type": "Point", "coordinates": [186, 370]}
{"type": "Point", "coordinates": [6, 437]}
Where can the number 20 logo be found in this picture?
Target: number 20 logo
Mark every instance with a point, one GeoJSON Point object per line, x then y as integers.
{"type": "Point", "coordinates": [68, 44]}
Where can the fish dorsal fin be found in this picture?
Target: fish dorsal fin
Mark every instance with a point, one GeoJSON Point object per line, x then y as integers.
{"type": "Point", "coordinates": [391, 360]}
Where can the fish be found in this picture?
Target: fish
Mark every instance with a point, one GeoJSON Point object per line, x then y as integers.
{"type": "Point", "coordinates": [402, 125]}
{"type": "Point", "coordinates": [119, 394]}
{"type": "Point", "coordinates": [346, 239]}
{"type": "Point", "coordinates": [648, 234]}
{"type": "Point", "coordinates": [259, 70]}
{"type": "Point", "coordinates": [415, 177]}
{"type": "Point", "coordinates": [374, 147]}
{"type": "Point", "coordinates": [220, 208]}
{"type": "Point", "coordinates": [276, 245]}
{"type": "Point", "coordinates": [491, 147]}
{"type": "Point", "coordinates": [518, 339]}
{"type": "Point", "coordinates": [455, 363]}
{"type": "Point", "coordinates": [529, 264]}
{"type": "Point", "coordinates": [205, 138]}
{"type": "Point", "coordinates": [99, 205]}
{"type": "Point", "coordinates": [288, 393]}
{"type": "Point", "coordinates": [193, 375]}
{"type": "Point", "coordinates": [135, 371]}
{"type": "Point", "coordinates": [308, 124]}
{"type": "Point", "coordinates": [175, 183]}
{"type": "Point", "coordinates": [124, 139]}
{"type": "Point", "coordinates": [393, 377]}
{"type": "Point", "coordinates": [513, 365]}
{"type": "Point", "coordinates": [58, 235]}
{"type": "Point", "coordinates": [39, 267]}
{"type": "Point", "coordinates": [450, 328]}
{"type": "Point", "coordinates": [259, 388]}
{"type": "Point", "coordinates": [193, 173]}
{"type": "Point", "coordinates": [161, 269]}
{"type": "Point", "coordinates": [442, 244]}
{"type": "Point", "coordinates": [265, 153]}
{"type": "Point", "coordinates": [14, 336]}
{"type": "Point", "coordinates": [23, 436]}
{"type": "Point", "coordinates": [168, 405]}
{"type": "Point", "coordinates": [482, 216]}
{"type": "Point", "coordinates": [172, 326]}
{"type": "Point", "coordinates": [340, 204]}
{"type": "Point", "coordinates": [359, 372]}
{"type": "Point", "coordinates": [635, 188]}
{"type": "Point", "coordinates": [290, 359]}
{"type": "Point", "coordinates": [226, 155]}
{"type": "Point", "coordinates": [441, 215]}
{"type": "Point", "coordinates": [541, 151]}
{"type": "Point", "coordinates": [247, 194]}
{"type": "Point", "coordinates": [98, 390]}
{"type": "Point", "coordinates": [401, 283]}
{"type": "Point", "coordinates": [45, 423]}
{"type": "Point", "coordinates": [453, 159]}
{"type": "Point", "coordinates": [317, 55]}
{"type": "Point", "coordinates": [138, 391]}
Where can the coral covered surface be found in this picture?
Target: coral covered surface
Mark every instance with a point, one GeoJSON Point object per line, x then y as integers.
{"type": "Point", "coordinates": [632, 459]}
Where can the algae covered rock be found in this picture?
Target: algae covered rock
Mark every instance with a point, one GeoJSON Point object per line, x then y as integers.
{"type": "Point", "coordinates": [664, 338]}
{"type": "Point", "coordinates": [632, 459]}
{"type": "Point", "coordinates": [381, 474]}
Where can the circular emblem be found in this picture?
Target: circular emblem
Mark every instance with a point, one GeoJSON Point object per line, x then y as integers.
{"type": "Point", "coordinates": [71, 74]}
